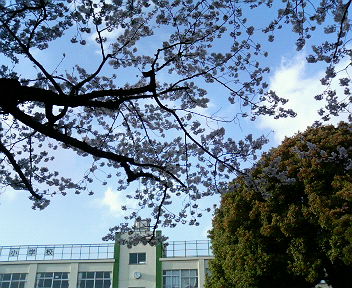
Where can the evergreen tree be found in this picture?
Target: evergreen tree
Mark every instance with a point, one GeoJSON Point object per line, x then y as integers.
{"type": "Point", "coordinates": [289, 224]}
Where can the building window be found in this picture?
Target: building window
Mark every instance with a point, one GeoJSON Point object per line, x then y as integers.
{"type": "Point", "coordinates": [94, 280]}
{"type": "Point", "coordinates": [12, 280]}
{"type": "Point", "coordinates": [137, 258]}
{"type": "Point", "coordinates": [185, 278]}
{"type": "Point", "coordinates": [52, 280]}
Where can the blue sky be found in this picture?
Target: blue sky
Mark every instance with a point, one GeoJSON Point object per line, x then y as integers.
{"type": "Point", "coordinates": [85, 219]}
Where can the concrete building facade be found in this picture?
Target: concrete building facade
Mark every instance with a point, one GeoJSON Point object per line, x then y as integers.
{"type": "Point", "coordinates": [181, 264]}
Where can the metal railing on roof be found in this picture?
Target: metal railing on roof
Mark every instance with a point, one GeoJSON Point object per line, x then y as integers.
{"type": "Point", "coordinates": [57, 252]}
{"type": "Point", "coordinates": [194, 248]}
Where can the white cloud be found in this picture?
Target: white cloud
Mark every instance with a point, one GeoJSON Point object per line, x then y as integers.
{"type": "Point", "coordinates": [113, 200]}
{"type": "Point", "coordinates": [291, 81]}
{"type": "Point", "coordinates": [10, 195]}
{"type": "Point", "coordinates": [109, 36]}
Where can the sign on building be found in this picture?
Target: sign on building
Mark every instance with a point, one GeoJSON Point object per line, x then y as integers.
{"type": "Point", "coordinates": [49, 252]}
{"type": "Point", "coordinates": [14, 252]}
{"type": "Point", "coordinates": [31, 251]}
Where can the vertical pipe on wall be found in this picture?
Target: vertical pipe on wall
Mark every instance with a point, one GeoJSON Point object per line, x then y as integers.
{"type": "Point", "coordinates": [159, 271]}
{"type": "Point", "coordinates": [116, 269]}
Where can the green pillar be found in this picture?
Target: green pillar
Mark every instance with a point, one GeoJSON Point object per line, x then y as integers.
{"type": "Point", "coordinates": [159, 270]}
{"type": "Point", "coordinates": [116, 269]}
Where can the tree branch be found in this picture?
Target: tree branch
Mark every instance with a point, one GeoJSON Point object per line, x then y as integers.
{"type": "Point", "coordinates": [158, 215]}
{"type": "Point", "coordinates": [31, 58]}
{"type": "Point", "coordinates": [22, 94]}
{"type": "Point", "coordinates": [337, 44]}
{"type": "Point", "coordinates": [124, 161]}
{"type": "Point", "coordinates": [18, 170]}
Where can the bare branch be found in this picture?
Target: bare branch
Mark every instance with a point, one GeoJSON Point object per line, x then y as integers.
{"type": "Point", "coordinates": [18, 170]}
{"type": "Point", "coordinates": [337, 44]}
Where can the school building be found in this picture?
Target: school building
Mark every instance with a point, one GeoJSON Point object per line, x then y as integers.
{"type": "Point", "coordinates": [180, 264]}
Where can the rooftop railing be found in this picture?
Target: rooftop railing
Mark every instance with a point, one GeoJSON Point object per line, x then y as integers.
{"type": "Point", "coordinates": [95, 251]}
{"type": "Point", "coordinates": [57, 252]}
{"type": "Point", "coordinates": [188, 248]}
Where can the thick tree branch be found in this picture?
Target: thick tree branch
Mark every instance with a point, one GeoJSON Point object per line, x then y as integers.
{"type": "Point", "coordinates": [124, 161]}
{"type": "Point", "coordinates": [23, 94]}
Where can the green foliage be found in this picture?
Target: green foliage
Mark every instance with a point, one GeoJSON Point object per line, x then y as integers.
{"type": "Point", "coordinates": [289, 223]}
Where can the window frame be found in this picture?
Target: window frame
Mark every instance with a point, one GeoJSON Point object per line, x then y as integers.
{"type": "Point", "coordinates": [138, 260]}
{"type": "Point", "coordinates": [22, 279]}
{"type": "Point", "coordinates": [61, 277]}
{"type": "Point", "coordinates": [94, 278]}
{"type": "Point", "coordinates": [177, 275]}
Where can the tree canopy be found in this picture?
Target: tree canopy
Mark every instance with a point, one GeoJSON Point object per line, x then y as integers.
{"type": "Point", "coordinates": [136, 108]}
{"type": "Point", "coordinates": [289, 224]}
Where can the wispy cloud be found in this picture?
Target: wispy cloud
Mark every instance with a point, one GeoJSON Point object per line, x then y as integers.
{"type": "Point", "coordinates": [109, 36]}
{"type": "Point", "coordinates": [113, 200]}
{"type": "Point", "coordinates": [10, 195]}
{"type": "Point", "coordinates": [292, 81]}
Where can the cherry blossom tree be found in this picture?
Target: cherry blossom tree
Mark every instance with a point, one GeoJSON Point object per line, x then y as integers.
{"type": "Point", "coordinates": [152, 128]}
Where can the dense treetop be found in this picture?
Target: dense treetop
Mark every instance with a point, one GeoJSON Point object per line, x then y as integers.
{"type": "Point", "coordinates": [289, 224]}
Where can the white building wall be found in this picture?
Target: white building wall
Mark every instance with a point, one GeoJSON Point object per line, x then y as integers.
{"type": "Point", "coordinates": [127, 271]}
{"type": "Point", "coordinates": [70, 266]}
{"type": "Point", "coordinates": [32, 272]}
{"type": "Point", "coordinates": [179, 263]}
{"type": "Point", "coordinates": [73, 276]}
